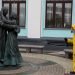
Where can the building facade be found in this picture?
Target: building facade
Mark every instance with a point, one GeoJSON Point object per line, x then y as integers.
{"type": "Point", "coordinates": [43, 18]}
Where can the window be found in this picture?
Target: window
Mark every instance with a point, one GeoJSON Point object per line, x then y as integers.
{"type": "Point", "coordinates": [19, 7]}
{"type": "Point", "coordinates": [58, 13]}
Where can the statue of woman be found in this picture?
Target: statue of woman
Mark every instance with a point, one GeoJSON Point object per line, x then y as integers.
{"type": "Point", "coordinates": [12, 55]}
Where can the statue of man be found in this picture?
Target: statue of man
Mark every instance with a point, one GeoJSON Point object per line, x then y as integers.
{"type": "Point", "coordinates": [3, 35]}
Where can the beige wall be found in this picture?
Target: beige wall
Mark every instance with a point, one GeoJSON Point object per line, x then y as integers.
{"type": "Point", "coordinates": [34, 18]}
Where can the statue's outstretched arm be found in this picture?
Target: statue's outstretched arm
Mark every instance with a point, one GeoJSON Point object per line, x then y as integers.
{"type": "Point", "coordinates": [7, 21]}
{"type": "Point", "coordinates": [9, 26]}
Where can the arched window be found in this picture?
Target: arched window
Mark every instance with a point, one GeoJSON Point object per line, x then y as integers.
{"type": "Point", "coordinates": [58, 13]}
{"type": "Point", "coordinates": [19, 7]}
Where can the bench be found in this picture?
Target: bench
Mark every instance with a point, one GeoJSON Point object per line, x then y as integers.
{"type": "Point", "coordinates": [33, 45]}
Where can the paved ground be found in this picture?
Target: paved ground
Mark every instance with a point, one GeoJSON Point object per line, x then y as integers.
{"type": "Point", "coordinates": [63, 62]}
{"type": "Point", "coordinates": [35, 66]}
{"type": "Point", "coordinates": [41, 64]}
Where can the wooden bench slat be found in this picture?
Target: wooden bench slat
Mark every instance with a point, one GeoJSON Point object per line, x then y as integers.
{"type": "Point", "coordinates": [32, 46]}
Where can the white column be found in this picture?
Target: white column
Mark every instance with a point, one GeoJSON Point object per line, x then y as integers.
{"type": "Point", "coordinates": [34, 18]}
{"type": "Point", "coordinates": [0, 4]}
{"type": "Point", "coordinates": [73, 12]}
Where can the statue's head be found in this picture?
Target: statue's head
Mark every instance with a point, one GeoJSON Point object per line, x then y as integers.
{"type": "Point", "coordinates": [5, 11]}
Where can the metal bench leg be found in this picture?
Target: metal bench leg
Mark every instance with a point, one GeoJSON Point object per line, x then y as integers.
{"type": "Point", "coordinates": [28, 50]}
{"type": "Point", "coordinates": [41, 51]}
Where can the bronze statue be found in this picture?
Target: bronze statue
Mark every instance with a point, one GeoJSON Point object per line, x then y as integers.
{"type": "Point", "coordinates": [3, 35]}
{"type": "Point", "coordinates": [10, 53]}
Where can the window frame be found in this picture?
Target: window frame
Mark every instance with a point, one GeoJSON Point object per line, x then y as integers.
{"type": "Point", "coordinates": [18, 8]}
{"type": "Point", "coordinates": [54, 11]}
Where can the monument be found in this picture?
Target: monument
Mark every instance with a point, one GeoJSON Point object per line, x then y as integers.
{"type": "Point", "coordinates": [10, 57]}
{"type": "Point", "coordinates": [9, 51]}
